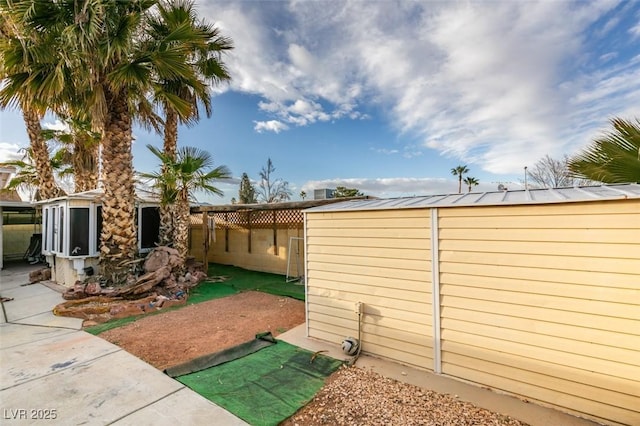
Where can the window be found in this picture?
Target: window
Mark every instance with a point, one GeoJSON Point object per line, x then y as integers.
{"type": "Point", "coordinates": [79, 231]}
{"type": "Point", "coordinates": [54, 228]}
{"type": "Point", "coordinates": [98, 227]}
{"type": "Point", "coordinates": [149, 227]}
{"type": "Point", "coordinates": [76, 231]}
{"type": "Point", "coordinates": [46, 229]}
{"type": "Point", "coordinates": [61, 230]}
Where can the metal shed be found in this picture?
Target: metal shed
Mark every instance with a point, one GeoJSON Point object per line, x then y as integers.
{"type": "Point", "coordinates": [531, 292]}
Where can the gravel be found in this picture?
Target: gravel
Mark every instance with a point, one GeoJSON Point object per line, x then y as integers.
{"type": "Point", "coordinates": [355, 396]}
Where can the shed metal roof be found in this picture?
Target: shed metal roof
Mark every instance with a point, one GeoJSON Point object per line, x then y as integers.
{"type": "Point", "coordinates": [496, 198]}
{"type": "Point", "coordinates": [142, 196]}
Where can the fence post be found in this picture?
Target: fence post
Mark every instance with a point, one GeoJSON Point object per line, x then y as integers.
{"type": "Point", "coordinates": [205, 242]}
{"type": "Point", "coordinates": [275, 233]}
{"type": "Point", "coordinates": [249, 228]}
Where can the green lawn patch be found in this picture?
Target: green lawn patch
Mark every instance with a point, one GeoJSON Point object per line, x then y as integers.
{"type": "Point", "coordinates": [243, 280]}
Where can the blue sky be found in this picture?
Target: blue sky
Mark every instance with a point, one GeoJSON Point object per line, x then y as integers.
{"type": "Point", "coordinates": [388, 96]}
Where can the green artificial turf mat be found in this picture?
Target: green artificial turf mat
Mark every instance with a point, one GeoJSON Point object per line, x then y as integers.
{"type": "Point", "coordinates": [266, 387]}
{"type": "Point", "coordinates": [243, 280]}
{"type": "Point", "coordinates": [208, 291]}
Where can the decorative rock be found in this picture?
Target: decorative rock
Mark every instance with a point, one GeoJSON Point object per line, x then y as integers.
{"type": "Point", "coordinates": [93, 289]}
{"type": "Point", "coordinates": [75, 292]}
{"type": "Point", "coordinates": [198, 276]}
{"type": "Point", "coordinates": [162, 256]}
{"type": "Point", "coordinates": [171, 303]}
{"type": "Point", "coordinates": [123, 311]}
{"type": "Point", "coordinates": [43, 274]}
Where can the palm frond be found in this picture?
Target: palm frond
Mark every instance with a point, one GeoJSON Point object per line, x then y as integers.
{"type": "Point", "coordinates": [612, 158]}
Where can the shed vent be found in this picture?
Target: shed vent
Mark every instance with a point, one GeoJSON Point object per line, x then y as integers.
{"type": "Point", "coordinates": [323, 194]}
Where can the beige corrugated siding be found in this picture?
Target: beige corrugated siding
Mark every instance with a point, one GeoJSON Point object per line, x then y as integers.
{"type": "Point", "coordinates": [379, 258]}
{"type": "Point", "coordinates": [544, 301]}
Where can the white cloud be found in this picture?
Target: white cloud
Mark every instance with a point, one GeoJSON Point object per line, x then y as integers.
{"type": "Point", "coordinates": [56, 125]}
{"type": "Point", "coordinates": [271, 126]}
{"type": "Point", "coordinates": [494, 86]}
{"type": "Point", "coordinates": [10, 152]}
{"type": "Point", "coordinates": [385, 151]}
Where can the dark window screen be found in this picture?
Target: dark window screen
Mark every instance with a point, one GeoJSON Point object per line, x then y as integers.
{"type": "Point", "coordinates": [61, 233]}
{"type": "Point", "coordinates": [47, 230]}
{"type": "Point", "coordinates": [98, 227]}
{"type": "Point", "coordinates": [54, 228]}
{"type": "Point", "coordinates": [79, 232]}
{"type": "Point", "coordinates": [150, 227]}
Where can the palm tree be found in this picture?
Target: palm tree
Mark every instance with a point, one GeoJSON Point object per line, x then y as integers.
{"type": "Point", "coordinates": [26, 177]}
{"type": "Point", "coordinates": [459, 171]}
{"type": "Point", "coordinates": [470, 181]}
{"type": "Point", "coordinates": [179, 95]}
{"type": "Point", "coordinates": [192, 170]}
{"type": "Point", "coordinates": [612, 158]}
{"type": "Point", "coordinates": [32, 77]}
{"type": "Point", "coordinates": [114, 62]}
{"type": "Point", "coordinates": [79, 149]}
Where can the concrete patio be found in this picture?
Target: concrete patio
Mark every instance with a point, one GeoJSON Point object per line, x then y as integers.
{"type": "Point", "coordinates": [52, 371]}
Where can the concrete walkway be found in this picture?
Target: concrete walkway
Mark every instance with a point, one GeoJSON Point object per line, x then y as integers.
{"type": "Point", "coordinates": [52, 372]}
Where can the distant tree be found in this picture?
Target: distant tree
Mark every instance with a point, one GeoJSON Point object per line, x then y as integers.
{"type": "Point", "coordinates": [272, 190]}
{"type": "Point", "coordinates": [470, 181]}
{"type": "Point", "coordinates": [459, 171]}
{"type": "Point", "coordinates": [247, 192]}
{"type": "Point", "coordinates": [612, 158]}
{"type": "Point", "coordinates": [233, 200]}
{"type": "Point", "coordinates": [344, 192]}
{"type": "Point", "coordinates": [303, 195]}
{"type": "Point", "coordinates": [551, 173]}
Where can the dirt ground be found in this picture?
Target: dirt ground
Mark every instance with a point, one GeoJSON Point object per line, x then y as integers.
{"type": "Point", "coordinates": [178, 336]}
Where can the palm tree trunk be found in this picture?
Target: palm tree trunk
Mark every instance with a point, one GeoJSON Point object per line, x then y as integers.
{"type": "Point", "coordinates": [119, 237]}
{"type": "Point", "coordinates": [460, 183]}
{"type": "Point", "coordinates": [170, 133]}
{"type": "Point", "coordinates": [168, 211]}
{"type": "Point", "coordinates": [166, 230]}
{"type": "Point", "coordinates": [182, 223]}
{"type": "Point", "coordinates": [47, 186]}
{"type": "Point", "coordinates": [85, 164]}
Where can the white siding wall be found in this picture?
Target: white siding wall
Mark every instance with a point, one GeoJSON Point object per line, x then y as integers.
{"type": "Point", "coordinates": [383, 260]}
{"type": "Point", "coordinates": [544, 301]}
{"type": "Point", "coordinates": [541, 301]}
